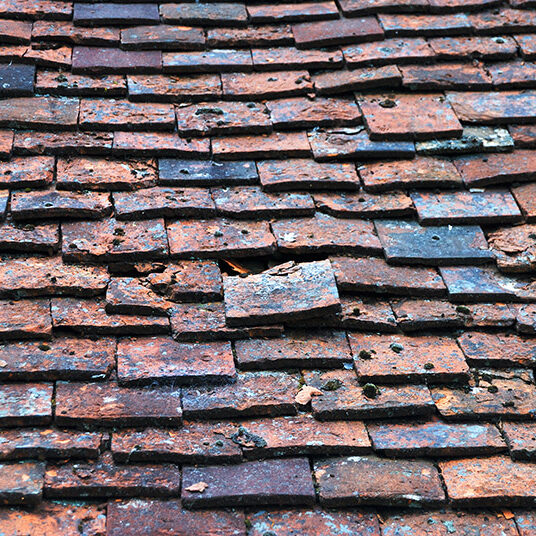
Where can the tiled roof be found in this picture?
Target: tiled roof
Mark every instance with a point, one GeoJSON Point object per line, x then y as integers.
{"type": "Point", "coordinates": [268, 269]}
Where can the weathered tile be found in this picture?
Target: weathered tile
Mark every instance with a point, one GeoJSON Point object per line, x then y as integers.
{"type": "Point", "coordinates": [21, 483]}
{"type": "Point", "coordinates": [211, 61]}
{"type": "Point", "coordinates": [85, 14]}
{"type": "Point", "coordinates": [526, 199]}
{"type": "Point", "coordinates": [296, 349]}
{"type": "Point", "coordinates": [36, 143]}
{"type": "Point", "coordinates": [370, 480]}
{"type": "Point", "coordinates": [206, 14]}
{"type": "Point", "coordinates": [261, 482]}
{"type": "Point", "coordinates": [43, 238]}
{"type": "Point", "coordinates": [493, 206]}
{"type": "Point", "coordinates": [512, 75]}
{"type": "Point", "coordinates": [222, 118]}
{"type": "Point", "coordinates": [54, 83]}
{"type": "Point", "coordinates": [514, 248]}
{"type": "Point", "coordinates": [306, 174]}
{"type": "Point", "coordinates": [131, 296]}
{"type": "Point", "coordinates": [354, 7]}
{"type": "Point", "coordinates": [252, 202]}
{"type": "Point", "coordinates": [320, 34]}
{"type": "Point", "coordinates": [16, 80]}
{"type": "Point", "coordinates": [30, 9]}
{"type": "Point", "coordinates": [527, 45]}
{"type": "Point", "coordinates": [111, 240]}
{"type": "Point", "coordinates": [487, 315]}
{"type": "Point", "coordinates": [425, 25]}
{"type": "Point", "coordinates": [25, 319]}
{"type": "Point", "coordinates": [523, 135]}
{"type": "Point", "coordinates": [525, 318]}
{"type": "Point", "coordinates": [526, 522]}
{"type": "Point", "coordinates": [174, 172]}
{"type": "Point", "coordinates": [520, 439]}
{"type": "Point", "coordinates": [159, 144]}
{"type": "Point", "coordinates": [97, 60]}
{"type": "Point", "coordinates": [111, 114]}
{"type": "Point", "coordinates": [435, 439]}
{"type": "Point", "coordinates": [344, 398]}
{"type": "Point", "coordinates": [401, 117]}
{"type": "Point", "coordinates": [409, 243]}
{"type": "Point", "coordinates": [32, 172]}
{"type": "Point", "coordinates": [486, 48]}
{"type": "Point", "coordinates": [439, 6]}
{"type": "Point", "coordinates": [106, 404]}
{"type": "Point", "coordinates": [402, 359]}
{"type": "Point", "coordinates": [292, 12]}
{"type": "Point", "coordinates": [90, 317]}
{"type": "Point", "coordinates": [257, 86]}
{"type": "Point", "coordinates": [354, 143]}
{"type": "Point", "coordinates": [39, 112]}
{"type": "Point", "coordinates": [367, 314]}
{"type": "Point", "coordinates": [14, 31]}
{"type": "Point", "coordinates": [165, 202]}
{"type": "Point", "coordinates": [418, 315]}
{"type": "Point", "coordinates": [62, 358]}
{"type": "Point", "coordinates": [270, 59]}
{"type": "Point", "coordinates": [195, 442]}
{"type": "Point", "coordinates": [254, 393]}
{"type": "Point", "coordinates": [161, 359]}
{"type": "Point", "coordinates": [6, 143]}
{"type": "Point", "coordinates": [162, 37]}
{"type": "Point", "coordinates": [503, 20]}
{"type": "Point", "coordinates": [343, 81]}
{"type": "Point", "coordinates": [26, 404]}
{"type": "Point", "coordinates": [463, 76]}
{"type": "Point", "coordinates": [219, 238]}
{"type": "Point", "coordinates": [265, 35]}
{"type": "Point", "coordinates": [489, 481]}
{"type": "Point", "coordinates": [325, 234]}
{"type": "Point", "coordinates": [55, 30]}
{"type": "Point", "coordinates": [102, 478]}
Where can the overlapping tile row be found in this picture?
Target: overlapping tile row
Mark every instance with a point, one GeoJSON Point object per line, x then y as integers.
{"type": "Point", "coordinates": [267, 268]}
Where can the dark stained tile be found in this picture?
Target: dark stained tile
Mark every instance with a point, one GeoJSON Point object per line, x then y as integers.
{"type": "Point", "coordinates": [98, 60]}
{"type": "Point", "coordinates": [85, 14]}
{"type": "Point", "coordinates": [503, 20]}
{"type": "Point", "coordinates": [162, 37]}
{"type": "Point", "coordinates": [211, 61]}
{"type": "Point", "coordinates": [25, 404]}
{"type": "Point", "coordinates": [39, 112]}
{"type": "Point", "coordinates": [42, 238]}
{"type": "Point", "coordinates": [22, 483]}
{"type": "Point", "coordinates": [130, 296]}
{"type": "Point", "coordinates": [16, 80]}
{"type": "Point", "coordinates": [297, 12]}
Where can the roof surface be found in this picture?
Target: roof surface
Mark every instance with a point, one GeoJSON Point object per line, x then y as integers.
{"type": "Point", "coordinates": [267, 270]}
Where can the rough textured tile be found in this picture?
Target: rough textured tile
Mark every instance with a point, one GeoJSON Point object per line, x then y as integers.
{"type": "Point", "coordinates": [276, 145]}
{"type": "Point", "coordinates": [492, 206]}
{"type": "Point", "coordinates": [365, 205]}
{"type": "Point", "coordinates": [520, 439]}
{"type": "Point", "coordinates": [32, 9]}
{"type": "Point", "coordinates": [372, 481]}
{"type": "Point", "coordinates": [325, 234]}
{"type": "Point", "coordinates": [111, 240]}
{"type": "Point", "coordinates": [55, 83]}
{"type": "Point", "coordinates": [527, 44]}
{"type": "Point", "coordinates": [494, 108]}
{"type": "Point", "coordinates": [188, 281]}
{"type": "Point", "coordinates": [313, 112]}
{"type": "Point", "coordinates": [270, 59]}
{"type": "Point", "coordinates": [526, 522]}
{"type": "Point", "coordinates": [421, 172]}
{"type": "Point", "coordinates": [526, 199]}
{"type": "Point", "coordinates": [293, 12]}
{"type": "Point", "coordinates": [103, 478]}
{"type": "Point", "coordinates": [16, 80]}
{"type": "Point", "coordinates": [57, 204]}
{"type": "Point", "coordinates": [62, 358]}
{"type": "Point", "coordinates": [344, 398]}
{"type": "Point", "coordinates": [265, 35]}
{"type": "Point", "coordinates": [526, 318]}
{"type": "Point", "coordinates": [159, 144]}
{"type": "Point", "coordinates": [408, 242]}
{"type": "Point", "coordinates": [491, 349]}
{"type": "Point", "coordinates": [367, 314]}
{"type": "Point", "coordinates": [357, 79]}
{"type": "Point", "coordinates": [354, 7]}
{"type": "Point", "coordinates": [113, 14]}
{"type": "Point", "coordinates": [211, 61]}
{"type": "Point", "coordinates": [514, 248]}
{"type": "Point", "coordinates": [39, 112]}
{"type": "Point", "coordinates": [98, 60]}
{"type": "Point", "coordinates": [219, 238]}
{"type": "Point", "coordinates": [523, 135]}
{"type": "Point", "coordinates": [354, 143]}
{"type": "Point", "coordinates": [206, 14]}
{"type": "Point", "coordinates": [174, 172]}
{"type": "Point", "coordinates": [26, 404]}
{"type": "Point", "coordinates": [55, 31]}
{"type": "Point", "coordinates": [320, 34]}
{"type": "Point", "coordinates": [486, 48]}
{"type": "Point", "coordinates": [25, 319]}
{"type": "Point", "coordinates": [111, 114]}
{"type": "Point", "coordinates": [426, 25]}
{"type": "Point", "coordinates": [14, 31]}
{"type": "Point", "coordinates": [41, 276]}
{"type": "Point", "coordinates": [417, 315]}
{"type": "Point", "coordinates": [254, 393]}
{"type": "Point", "coordinates": [487, 315]}
{"type": "Point", "coordinates": [33, 172]}
{"type": "Point", "coordinates": [195, 442]}
{"type": "Point", "coordinates": [435, 439]}
{"type": "Point", "coordinates": [163, 202]}
{"type": "Point", "coordinates": [257, 86]}
{"type": "Point", "coordinates": [402, 359]}
{"type": "Point", "coordinates": [464, 76]}
{"type": "Point", "coordinates": [250, 483]}
{"type": "Point", "coordinates": [130, 296]}
{"type": "Point", "coordinates": [512, 75]}
{"type": "Point", "coordinates": [93, 404]}
{"type": "Point", "coordinates": [29, 237]}
{"type": "Point", "coordinates": [6, 143]}
{"type": "Point", "coordinates": [501, 21]}
{"type": "Point", "coordinates": [161, 359]}
{"type": "Point", "coordinates": [252, 202]}
{"type": "Point", "coordinates": [387, 51]}
{"type": "Point", "coordinates": [90, 317]}
{"type": "Point", "coordinates": [153, 517]}
{"type": "Point", "coordinates": [489, 481]}
{"type": "Point", "coordinates": [21, 483]}
{"type": "Point", "coordinates": [320, 522]}
{"type": "Point", "coordinates": [206, 119]}
{"type": "Point", "coordinates": [295, 174]}
{"type": "Point", "coordinates": [173, 88]}
{"type": "Point", "coordinates": [163, 37]}
{"type": "Point", "coordinates": [401, 117]}
{"type": "Point", "coordinates": [296, 349]}
{"type": "Point", "coordinates": [461, 523]}
{"type": "Point", "coordinates": [31, 142]}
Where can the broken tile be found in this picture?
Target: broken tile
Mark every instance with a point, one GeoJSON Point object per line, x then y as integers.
{"type": "Point", "coordinates": [525, 318]}
{"type": "Point", "coordinates": [514, 248]}
{"type": "Point", "coordinates": [55, 83]}
{"type": "Point", "coordinates": [265, 35]}
{"type": "Point", "coordinates": [418, 315]}
{"type": "Point", "coordinates": [502, 20]}
{"type": "Point", "coordinates": [159, 144]}
{"type": "Point", "coordinates": [46, 30]}
{"type": "Point", "coordinates": [526, 199]}
{"type": "Point", "coordinates": [26, 404]}
{"type": "Point", "coordinates": [367, 314]}
{"type": "Point", "coordinates": [130, 296]}
{"type": "Point", "coordinates": [6, 143]}
{"type": "Point", "coordinates": [28, 142]}
{"type": "Point", "coordinates": [14, 31]}
{"type": "Point", "coordinates": [512, 75]}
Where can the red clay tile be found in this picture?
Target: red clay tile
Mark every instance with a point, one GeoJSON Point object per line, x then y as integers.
{"type": "Point", "coordinates": [14, 31]}
{"type": "Point", "coordinates": [219, 238]}
{"type": "Point", "coordinates": [292, 12]}
{"type": "Point", "coordinates": [523, 135]}
{"type": "Point", "coordinates": [425, 25]}
{"type": "Point", "coordinates": [254, 393]}
{"type": "Point", "coordinates": [55, 31]}
{"type": "Point", "coordinates": [50, 57]}
{"type": "Point", "coordinates": [265, 35]}
{"type": "Point", "coordinates": [520, 439]}
{"type": "Point", "coordinates": [270, 59]}
{"type": "Point", "coordinates": [21, 483]}
{"type": "Point", "coordinates": [400, 117]}
{"type": "Point", "coordinates": [456, 5]}
{"type": "Point", "coordinates": [54, 83]}
{"type": "Point", "coordinates": [98, 60]}
{"type": "Point", "coordinates": [374, 481]}
{"type": "Point", "coordinates": [418, 315]}
{"type": "Point", "coordinates": [130, 296]}
{"type": "Point", "coordinates": [527, 44]}
{"type": "Point", "coordinates": [462, 76]}
{"type": "Point", "coordinates": [19, 172]}
{"type": "Point", "coordinates": [257, 86]}
{"type": "Point", "coordinates": [159, 144]}
{"type": "Point", "coordinates": [31, 142]}
{"type": "Point", "coordinates": [6, 143]}
{"type": "Point", "coordinates": [486, 48]}
{"type": "Point", "coordinates": [514, 248]}
{"type": "Point", "coordinates": [161, 359]}
{"type": "Point", "coordinates": [503, 20]}
{"type": "Point", "coordinates": [163, 37]}
{"type": "Point", "coordinates": [325, 234]}
{"type": "Point", "coordinates": [90, 15]}
{"type": "Point", "coordinates": [525, 318]}
{"type": "Point", "coordinates": [512, 75]}
{"type": "Point", "coordinates": [526, 522]}
{"type": "Point", "coordinates": [25, 319]}
{"type": "Point", "coordinates": [525, 196]}
{"type": "Point", "coordinates": [16, 80]}
{"type": "Point", "coordinates": [26, 404]}
{"type": "Point", "coordinates": [487, 315]}
{"type": "Point", "coordinates": [354, 7]}
{"type": "Point", "coordinates": [29, 237]}
{"type": "Point", "coordinates": [106, 404]}
{"type": "Point", "coordinates": [63, 358]}
{"type": "Point", "coordinates": [250, 483]}
{"type": "Point", "coordinates": [211, 61]}
{"type": "Point", "coordinates": [206, 14]}
{"type": "Point", "coordinates": [367, 314]}
{"type": "Point", "coordinates": [343, 81]}
{"type": "Point", "coordinates": [39, 112]}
